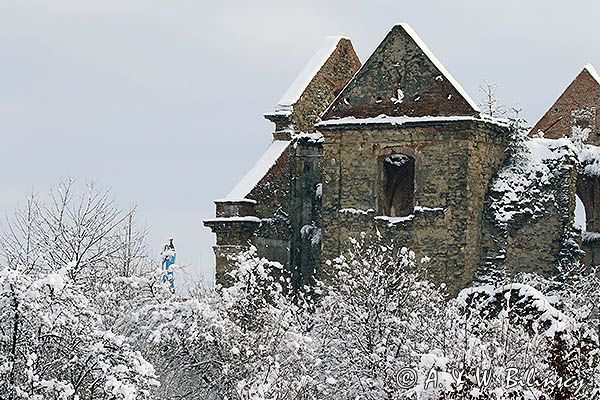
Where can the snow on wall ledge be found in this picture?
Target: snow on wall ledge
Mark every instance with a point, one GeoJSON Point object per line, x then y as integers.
{"type": "Point", "coordinates": [234, 219]}
{"type": "Point", "coordinates": [392, 221]}
{"type": "Point", "coordinates": [384, 119]}
{"type": "Point", "coordinates": [260, 169]}
{"type": "Point", "coordinates": [292, 95]}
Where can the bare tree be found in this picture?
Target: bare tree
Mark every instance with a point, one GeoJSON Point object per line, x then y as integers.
{"type": "Point", "coordinates": [71, 267]}
{"type": "Point", "coordinates": [490, 104]}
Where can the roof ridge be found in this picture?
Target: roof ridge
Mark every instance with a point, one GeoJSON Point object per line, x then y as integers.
{"type": "Point", "coordinates": [592, 71]}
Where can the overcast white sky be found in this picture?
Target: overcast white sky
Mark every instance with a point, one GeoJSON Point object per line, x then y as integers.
{"type": "Point", "coordinates": [161, 100]}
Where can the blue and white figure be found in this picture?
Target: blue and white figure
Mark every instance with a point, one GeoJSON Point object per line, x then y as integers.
{"type": "Point", "coordinates": [168, 262]}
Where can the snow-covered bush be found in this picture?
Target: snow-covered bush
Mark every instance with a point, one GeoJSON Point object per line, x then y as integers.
{"type": "Point", "coordinates": [83, 315]}
{"type": "Point", "coordinates": [244, 341]}
{"type": "Point", "coordinates": [64, 283]}
{"type": "Point", "coordinates": [377, 316]}
{"type": "Point", "coordinates": [533, 337]}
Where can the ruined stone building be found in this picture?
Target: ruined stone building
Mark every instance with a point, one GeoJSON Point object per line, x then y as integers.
{"type": "Point", "coordinates": [579, 107]}
{"type": "Point", "coordinates": [396, 146]}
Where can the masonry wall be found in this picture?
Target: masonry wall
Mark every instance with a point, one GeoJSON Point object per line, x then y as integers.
{"type": "Point", "coordinates": [540, 236]}
{"type": "Point", "coordinates": [454, 163]}
{"type": "Point", "coordinates": [325, 86]}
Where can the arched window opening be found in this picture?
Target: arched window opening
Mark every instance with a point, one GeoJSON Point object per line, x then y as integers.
{"type": "Point", "coordinates": [398, 185]}
{"type": "Point", "coordinates": [580, 214]}
{"type": "Point", "coordinates": [588, 192]}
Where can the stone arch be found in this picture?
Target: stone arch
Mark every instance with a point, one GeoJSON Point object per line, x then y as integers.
{"type": "Point", "coordinates": [588, 190]}
{"type": "Point", "coordinates": [397, 190]}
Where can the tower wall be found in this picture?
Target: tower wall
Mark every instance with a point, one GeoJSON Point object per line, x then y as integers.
{"type": "Point", "coordinates": [454, 163]}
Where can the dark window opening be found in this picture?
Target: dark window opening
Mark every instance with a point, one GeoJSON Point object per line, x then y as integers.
{"type": "Point", "coordinates": [582, 123]}
{"type": "Point", "coordinates": [398, 185]}
{"type": "Point", "coordinates": [588, 191]}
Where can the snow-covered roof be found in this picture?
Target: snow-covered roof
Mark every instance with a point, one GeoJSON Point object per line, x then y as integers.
{"type": "Point", "coordinates": [439, 65]}
{"type": "Point", "coordinates": [260, 169]}
{"type": "Point", "coordinates": [292, 95]}
{"type": "Point", "coordinates": [590, 68]}
{"type": "Point", "coordinates": [237, 201]}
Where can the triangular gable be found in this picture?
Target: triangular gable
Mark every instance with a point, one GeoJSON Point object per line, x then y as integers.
{"type": "Point", "coordinates": [402, 78]}
{"type": "Point", "coordinates": [317, 85]}
{"type": "Point", "coordinates": [578, 105]}
{"type": "Point", "coordinates": [312, 68]}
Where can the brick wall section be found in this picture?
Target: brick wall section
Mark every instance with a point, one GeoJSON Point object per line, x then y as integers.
{"type": "Point", "coordinates": [583, 93]}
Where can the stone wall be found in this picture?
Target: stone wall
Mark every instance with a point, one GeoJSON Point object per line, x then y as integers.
{"type": "Point", "coordinates": [325, 86]}
{"type": "Point", "coordinates": [306, 194]}
{"type": "Point", "coordinates": [533, 230]}
{"type": "Point", "coordinates": [454, 162]}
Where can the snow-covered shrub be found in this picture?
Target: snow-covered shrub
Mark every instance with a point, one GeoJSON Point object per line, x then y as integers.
{"type": "Point", "coordinates": [529, 329]}
{"type": "Point", "coordinates": [244, 341]}
{"type": "Point", "coordinates": [83, 316]}
{"type": "Point", "coordinates": [377, 316]}
{"type": "Point", "coordinates": [63, 285]}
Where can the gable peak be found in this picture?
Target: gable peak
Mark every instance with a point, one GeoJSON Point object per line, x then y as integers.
{"type": "Point", "coordinates": [592, 71]}
{"type": "Point", "coordinates": [312, 68]}
{"type": "Point", "coordinates": [402, 78]}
